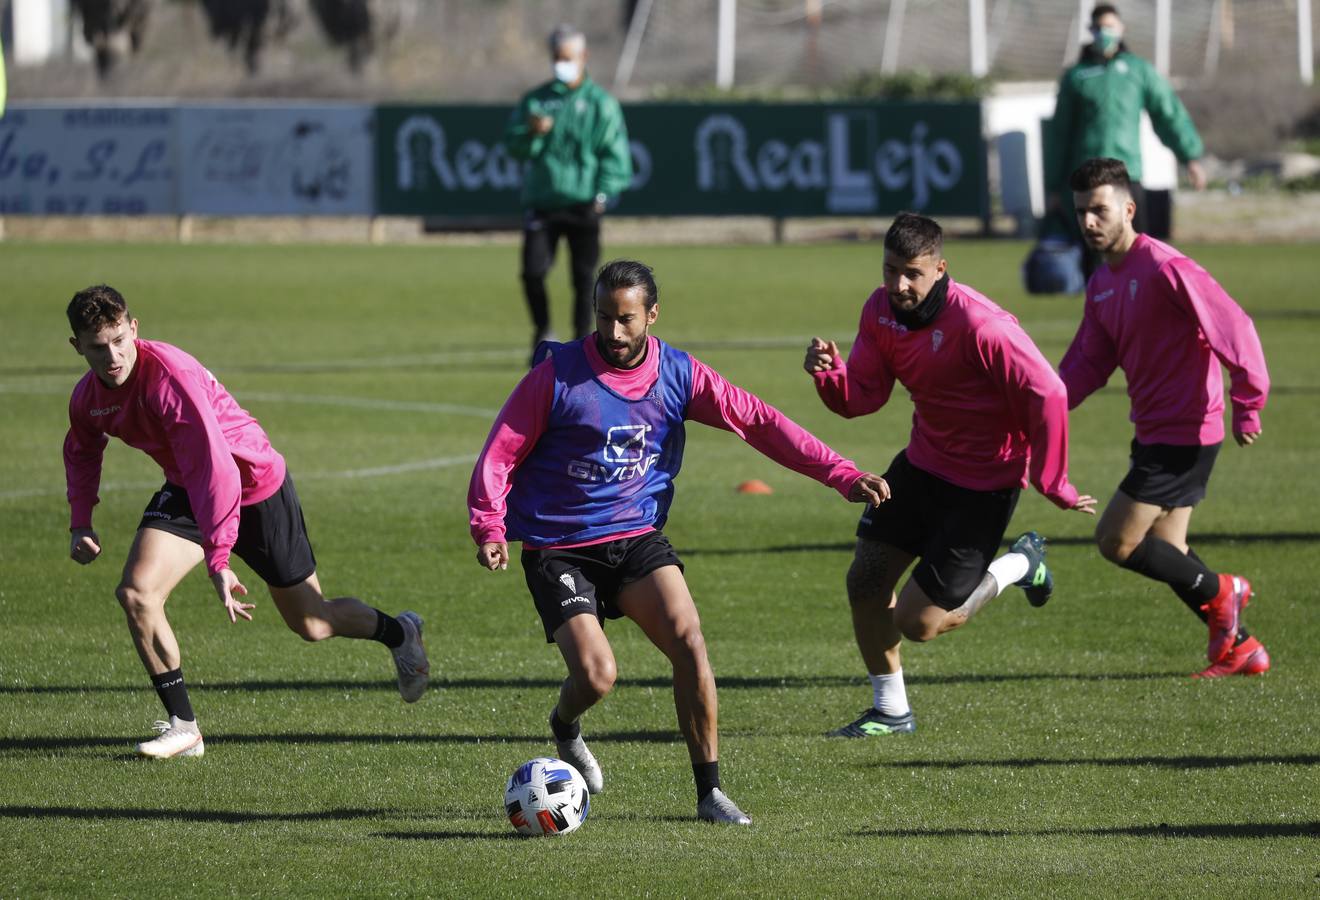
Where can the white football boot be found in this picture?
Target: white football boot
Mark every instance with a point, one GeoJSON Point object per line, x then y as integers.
{"type": "Point", "coordinates": [576, 754]}
{"type": "Point", "coordinates": [410, 659]}
{"type": "Point", "coordinates": [717, 807]}
{"type": "Point", "coordinates": [176, 737]}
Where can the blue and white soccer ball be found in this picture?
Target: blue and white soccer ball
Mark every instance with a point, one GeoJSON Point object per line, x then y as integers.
{"type": "Point", "coordinates": [546, 796]}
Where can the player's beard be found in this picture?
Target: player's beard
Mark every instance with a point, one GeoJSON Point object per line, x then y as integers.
{"type": "Point", "coordinates": [625, 354]}
{"type": "Point", "coordinates": [1108, 240]}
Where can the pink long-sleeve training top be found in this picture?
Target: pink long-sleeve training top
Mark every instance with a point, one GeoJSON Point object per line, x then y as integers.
{"type": "Point", "coordinates": [988, 409]}
{"type": "Point", "coordinates": [175, 411]}
{"type": "Point", "coordinates": [714, 402]}
{"type": "Point", "coordinates": [1168, 324]}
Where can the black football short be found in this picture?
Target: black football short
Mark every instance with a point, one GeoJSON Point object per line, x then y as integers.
{"type": "Point", "coordinates": [1169, 475]}
{"type": "Point", "coordinates": [580, 580]}
{"type": "Point", "coordinates": [954, 531]}
{"type": "Point", "coordinates": [272, 536]}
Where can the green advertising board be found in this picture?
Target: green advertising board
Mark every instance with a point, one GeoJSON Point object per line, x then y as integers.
{"type": "Point", "coordinates": [780, 160]}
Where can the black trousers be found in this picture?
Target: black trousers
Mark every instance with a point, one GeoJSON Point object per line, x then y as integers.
{"type": "Point", "coordinates": [542, 229]}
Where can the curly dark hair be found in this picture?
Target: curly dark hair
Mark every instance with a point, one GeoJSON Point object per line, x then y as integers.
{"type": "Point", "coordinates": [93, 308]}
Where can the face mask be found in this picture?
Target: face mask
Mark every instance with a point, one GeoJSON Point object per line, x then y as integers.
{"type": "Point", "coordinates": [567, 71]}
{"type": "Point", "coordinates": [1105, 40]}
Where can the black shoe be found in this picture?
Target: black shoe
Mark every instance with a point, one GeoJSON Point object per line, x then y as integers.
{"type": "Point", "coordinates": [1038, 583]}
{"type": "Point", "coordinates": [873, 722]}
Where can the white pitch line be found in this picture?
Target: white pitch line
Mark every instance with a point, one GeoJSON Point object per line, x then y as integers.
{"type": "Point", "coordinates": [420, 465]}
{"type": "Point", "coordinates": [386, 362]}
{"type": "Point", "coordinates": [67, 380]}
{"type": "Point", "coordinates": [455, 409]}
{"type": "Point", "coordinates": [107, 488]}
{"type": "Point", "coordinates": [498, 354]}
{"type": "Point", "coordinates": [494, 354]}
{"type": "Point", "coordinates": [33, 389]}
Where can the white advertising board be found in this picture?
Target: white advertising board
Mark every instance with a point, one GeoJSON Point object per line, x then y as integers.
{"type": "Point", "coordinates": [276, 160]}
{"type": "Point", "coordinates": [109, 160]}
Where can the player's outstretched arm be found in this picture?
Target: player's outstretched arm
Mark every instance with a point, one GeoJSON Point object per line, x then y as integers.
{"type": "Point", "coordinates": [226, 586]}
{"type": "Point", "coordinates": [493, 555]}
{"type": "Point", "coordinates": [870, 488]}
{"type": "Point", "coordinates": [1231, 335]}
{"type": "Point", "coordinates": [720, 404]}
{"type": "Point", "coordinates": [859, 386]}
{"type": "Point", "coordinates": [1085, 504]}
{"type": "Point", "coordinates": [820, 356]}
{"type": "Point", "coordinates": [84, 545]}
{"type": "Point", "coordinates": [1089, 361]}
{"type": "Point", "coordinates": [512, 437]}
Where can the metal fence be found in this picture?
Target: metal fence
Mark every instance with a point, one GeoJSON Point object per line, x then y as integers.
{"type": "Point", "coordinates": [487, 50]}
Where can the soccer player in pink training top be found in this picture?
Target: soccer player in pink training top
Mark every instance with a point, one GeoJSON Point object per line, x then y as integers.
{"type": "Point", "coordinates": [226, 491]}
{"type": "Point", "coordinates": [1161, 318]}
{"type": "Point", "coordinates": [989, 413]}
{"type": "Point", "coordinates": [580, 467]}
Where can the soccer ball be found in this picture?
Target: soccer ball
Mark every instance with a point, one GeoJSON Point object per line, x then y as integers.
{"type": "Point", "coordinates": [546, 796]}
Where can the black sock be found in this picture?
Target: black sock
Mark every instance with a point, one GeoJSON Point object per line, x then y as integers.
{"type": "Point", "coordinates": [1164, 562]}
{"type": "Point", "coordinates": [564, 732]}
{"type": "Point", "coordinates": [1194, 601]}
{"type": "Point", "coordinates": [173, 694]}
{"type": "Point", "coordinates": [1193, 598]}
{"type": "Point", "coordinates": [708, 777]}
{"type": "Point", "coordinates": [388, 631]}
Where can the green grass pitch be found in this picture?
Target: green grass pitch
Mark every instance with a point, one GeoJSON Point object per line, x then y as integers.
{"type": "Point", "coordinates": [1060, 751]}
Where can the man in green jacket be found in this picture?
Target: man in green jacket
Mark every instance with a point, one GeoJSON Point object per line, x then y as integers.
{"type": "Point", "coordinates": [571, 133]}
{"type": "Point", "coordinates": [1098, 114]}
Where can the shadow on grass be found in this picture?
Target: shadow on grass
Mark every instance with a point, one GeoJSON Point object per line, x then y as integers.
{"type": "Point", "coordinates": [224, 817]}
{"type": "Point", "coordinates": [727, 682]}
{"type": "Point", "coordinates": [1163, 762]}
{"type": "Point", "coordinates": [514, 836]}
{"type": "Point", "coordinates": [1198, 538]}
{"type": "Point", "coordinates": [1244, 830]}
{"type": "Point", "coordinates": [18, 745]}
{"type": "Point", "coordinates": [450, 835]}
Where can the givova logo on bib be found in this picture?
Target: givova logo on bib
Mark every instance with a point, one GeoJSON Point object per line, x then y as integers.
{"type": "Point", "coordinates": [626, 443]}
{"type": "Point", "coordinates": [625, 456]}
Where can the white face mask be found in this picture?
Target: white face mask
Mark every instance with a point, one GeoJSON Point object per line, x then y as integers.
{"type": "Point", "coordinates": [567, 71]}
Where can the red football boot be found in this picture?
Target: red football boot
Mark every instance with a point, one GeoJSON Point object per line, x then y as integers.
{"type": "Point", "coordinates": [1247, 658]}
{"type": "Point", "coordinates": [1223, 614]}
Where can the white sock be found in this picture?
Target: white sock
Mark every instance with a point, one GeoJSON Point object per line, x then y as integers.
{"type": "Point", "coordinates": [1009, 569]}
{"type": "Point", "coordinates": [890, 695]}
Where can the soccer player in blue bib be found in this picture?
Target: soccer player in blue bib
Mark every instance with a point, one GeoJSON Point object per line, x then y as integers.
{"type": "Point", "coordinates": [580, 467]}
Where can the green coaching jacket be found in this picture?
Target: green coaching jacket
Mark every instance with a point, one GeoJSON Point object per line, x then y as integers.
{"type": "Point", "coordinates": [1098, 113]}
{"type": "Point", "coordinates": [583, 155]}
